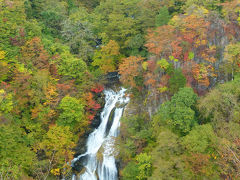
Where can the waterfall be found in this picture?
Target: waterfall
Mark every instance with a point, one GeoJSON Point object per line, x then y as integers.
{"type": "Point", "coordinates": [101, 141]}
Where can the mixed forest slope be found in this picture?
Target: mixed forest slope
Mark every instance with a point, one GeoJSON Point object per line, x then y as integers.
{"type": "Point", "coordinates": [179, 60]}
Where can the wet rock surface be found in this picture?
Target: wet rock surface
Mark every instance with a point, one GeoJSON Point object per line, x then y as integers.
{"type": "Point", "coordinates": [79, 165]}
{"type": "Point", "coordinates": [110, 121]}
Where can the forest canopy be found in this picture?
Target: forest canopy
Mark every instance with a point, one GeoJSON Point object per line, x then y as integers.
{"type": "Point", "coordinates": [179, 60]}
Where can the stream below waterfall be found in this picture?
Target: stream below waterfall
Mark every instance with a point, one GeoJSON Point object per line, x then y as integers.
{"type": "Point", "coordinates": [99, 160]}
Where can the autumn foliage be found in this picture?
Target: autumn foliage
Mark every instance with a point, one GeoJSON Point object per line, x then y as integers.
{"type": "Point", "coordinates": [107, 57]}
{"type": "Point", "coordinates": [97, 89]}
{"type": "Point", "coordinates": [56, 57]}
{"type": "Point", "coordinates": [33, 53]}
{"type": "Point", "coordinates": [186, 40]}
{"type": "Point", "coordinates": [91, 106]}
{"type": "Point", "coordinates": [129, 69]}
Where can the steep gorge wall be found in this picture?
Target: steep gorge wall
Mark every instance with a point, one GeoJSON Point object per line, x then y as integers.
{"type": "Point", "coordinates": [209, 57]}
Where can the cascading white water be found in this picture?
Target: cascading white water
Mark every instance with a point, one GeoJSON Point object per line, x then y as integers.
{"type": "Point", "coordinates": [104, 169]}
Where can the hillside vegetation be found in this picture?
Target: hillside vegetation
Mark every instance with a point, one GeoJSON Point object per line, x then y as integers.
{"type": "Point", "coordinates": [179, 60]}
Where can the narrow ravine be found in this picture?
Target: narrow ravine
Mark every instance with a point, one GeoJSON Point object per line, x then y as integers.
{"type": "Point", "coordinates": [99, 160]}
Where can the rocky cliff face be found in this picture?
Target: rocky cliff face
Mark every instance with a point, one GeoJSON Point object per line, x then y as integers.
{"type": "Point", "coordinates": [204, 71]}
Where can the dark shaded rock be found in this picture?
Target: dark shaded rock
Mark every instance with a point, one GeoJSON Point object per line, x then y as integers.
{"type": "Point", "coordinates": [119, 165]}
{"type": "Point", "coordinates": [100, 99]}
{"type": "Point", "coordinates": [112, 76]}
{"type": "Point", "coordinates": [121, 105]}
{"type": "Point", "coordinates": [81, 146]}
{"type": "Point", "coordinates": [79, 165]}
{"type": "Point", "coordinates": [111, 79]}
{"type": "Point", "coordinates": [110, 121]}
{"type": "Point", "coordinates": [95, 122]}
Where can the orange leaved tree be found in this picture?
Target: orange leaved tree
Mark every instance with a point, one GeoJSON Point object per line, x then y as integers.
{"type": "Point", "coordinates": [130, 70]}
